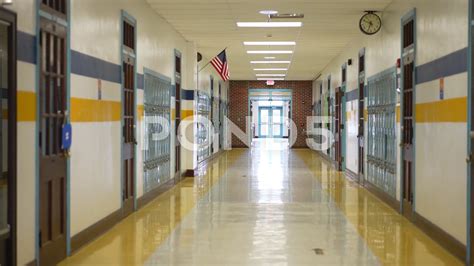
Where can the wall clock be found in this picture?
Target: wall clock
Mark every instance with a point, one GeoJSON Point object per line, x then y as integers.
{"type": "Point", "coordinates": [370, 23]}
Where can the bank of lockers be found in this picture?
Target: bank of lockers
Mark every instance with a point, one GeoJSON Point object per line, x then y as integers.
{"type": "Point", "coordinates": [203, 127]}
{"type": "Point", "coordinates": [381, 137]}
{"type": "Point", "coordinates": [157, 142]}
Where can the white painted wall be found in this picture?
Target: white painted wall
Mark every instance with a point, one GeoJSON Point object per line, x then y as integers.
{"type": "Point", "coordinates": [440, 166]}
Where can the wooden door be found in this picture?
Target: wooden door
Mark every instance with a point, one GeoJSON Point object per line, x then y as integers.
{"type": "Point", "coordinates": [128, 118]}
{"type": "Point", "coordinates": [338, 129]}
{"type": "Point", "coordinates": [177, 169]}
{"type": "Point", "coordinates": [408, 72]}
{"type": "Point", "coordinates": [361, 133]}
{"type": "Point", "coordinates": [8, 124]}
{"type": "Point", "coordinates": [53, 115]}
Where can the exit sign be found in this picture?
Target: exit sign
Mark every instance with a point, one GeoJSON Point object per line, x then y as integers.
{"type": "Point", "coordinates": [270, 82]}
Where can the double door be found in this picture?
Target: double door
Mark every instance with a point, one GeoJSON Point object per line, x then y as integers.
{"type": "Point", "coordinates": [270, 122]}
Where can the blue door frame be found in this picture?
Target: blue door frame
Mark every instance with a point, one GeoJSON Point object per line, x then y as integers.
{"type": "Point", "coordinates": [270, 124]}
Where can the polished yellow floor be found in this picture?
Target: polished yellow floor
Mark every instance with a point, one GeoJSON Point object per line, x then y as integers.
{"type": "Point", "coordinates": [265, 206]}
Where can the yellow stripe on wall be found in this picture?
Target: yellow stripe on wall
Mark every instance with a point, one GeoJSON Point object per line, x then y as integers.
{"type": "Point", "coordinates": [450, 110]}
{"type": "Point", "coordinates": [140, 112]}
{"type": "Point", "coordinates": [26, 106]}
{"type": "Point", "coordinates": [397, 113]}
{"type": "Point", "coordinates": [173, 114]}
{"type": "Point", "coordinates": [87, 110]}
{"type": "Point", "coordinates": [186, 113]}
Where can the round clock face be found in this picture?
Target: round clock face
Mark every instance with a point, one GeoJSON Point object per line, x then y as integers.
{"type": "Point", "coordinates": [370, 24]}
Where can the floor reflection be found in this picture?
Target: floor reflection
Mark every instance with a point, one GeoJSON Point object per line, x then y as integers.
{"type": "Point", "coordinates": [391, 237]}
{"type": "Point", "coordinates": [265, 206]}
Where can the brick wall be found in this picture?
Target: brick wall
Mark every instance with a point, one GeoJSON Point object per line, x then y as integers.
{"type": "Point", "coordinates": [302, 98]}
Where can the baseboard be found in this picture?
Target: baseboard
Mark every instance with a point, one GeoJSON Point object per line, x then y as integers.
{"type": "Point", "coordinates": [351, 175]}
{"type": "Point", "coordinates": [393, 203]}
{"type": "Point", "coordinates": [189, 173]}
{"type": "Point", "coordinates": [447, 241]}
{"type": "Point", "coordinates": [153, 194]}
{"type": "Point", "coordinates": [203, 164]}
{"type": "Point", "coordinates": [94, 231]}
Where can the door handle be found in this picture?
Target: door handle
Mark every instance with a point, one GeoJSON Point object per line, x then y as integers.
{"type": "Point", "coordinates": [469, 158]}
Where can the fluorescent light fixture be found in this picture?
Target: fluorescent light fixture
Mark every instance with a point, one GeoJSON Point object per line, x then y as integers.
{"type": "Point", "coordinates": [269, 24]}
{"type": "Point", "coordinates": [269, 57]}
{"type": "Point", "coordinates": [270, 43]}
{"type": "Point", "coordinates": [10, 2]}
{"type": "Point", "coordinates": [269, 52]}
{"type": "Point", "coordinates": [270, 62]}
{"type": "Point", "coordinates": [270, 79]}
{"type": "Point", "coordinates": [270, 69]}
{"type": "Point", "coordinates": [268, 12]}
{"type": "Point", "coordinates": [271, 75]}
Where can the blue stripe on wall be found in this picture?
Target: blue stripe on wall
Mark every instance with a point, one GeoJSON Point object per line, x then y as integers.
{"type": "Point", "coordinates": [140, 81]}
{"type": "Point", "coordinates": [26, 44]}
{"type": "Point", "coordinates": [86, 65]}
{"type": "Point", "coordinates": [187, 95]}
{"type": "Point", "coordinates": [451, 64]}
{"type": "Point", "coordinates": [173, 90]}
{"type": "Point", "coordinates": [352, 95]}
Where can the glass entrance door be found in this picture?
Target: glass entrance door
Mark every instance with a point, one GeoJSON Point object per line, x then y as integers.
{"type": "Point", "coordinates": [277, 122]}
{"type": "Point", "coordinates": [270, 122]}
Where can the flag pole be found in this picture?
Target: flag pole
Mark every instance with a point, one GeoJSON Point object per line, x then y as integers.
{"type": "Point", "coordinates": [209, 62]}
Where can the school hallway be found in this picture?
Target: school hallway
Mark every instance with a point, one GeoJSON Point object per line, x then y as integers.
{"type": "Point", "coordinates": [236, 132]}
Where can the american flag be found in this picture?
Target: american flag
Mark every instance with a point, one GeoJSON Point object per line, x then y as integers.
{"type": "Point", "coordinates": [220, 64]}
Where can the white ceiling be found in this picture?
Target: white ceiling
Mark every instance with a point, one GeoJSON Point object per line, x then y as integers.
{"type": "Point", "coordinates": [328, 27]}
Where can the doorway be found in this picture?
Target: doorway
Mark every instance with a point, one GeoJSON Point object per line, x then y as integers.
{"type": "Point", "coordinates": [270, 124]}
{"type": "Point", "coordinates": [177, 74]}
{"type": "Point", "coordinates": [338, 127]}
{"type": "Point", "coordinates": [53, 114]}
{"type": "Point", "coordinates": [361, 133]}
{"type": "Point", "coordinates": [129, 140]}
{"type": "Point", "coordinates": [408, 116]}
{"type": "Point", "coordinates": [8, 142]}
{"type": "Point", "coordinates": [271, 112]}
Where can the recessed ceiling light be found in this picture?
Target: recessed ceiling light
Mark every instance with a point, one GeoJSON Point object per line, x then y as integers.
{"type": "Point", "coordinates": [268, 12]}
{"type": "Point", "coordinates": [270, 79]}
{"type": "Point", "coordinates": [270, 75]}
{"type": "Point", "coordinates": [269, 52]}
{"type": "Point", "coordinates": [269, 24]}
{"type": "Point", "coordinates": [270, 62]}
{"type": "Point", "coordinates": [270, 43]}
{"type": "Point", "coordinates": [270, 69]}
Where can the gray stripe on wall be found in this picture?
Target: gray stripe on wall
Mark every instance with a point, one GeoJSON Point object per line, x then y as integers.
{"type": "Point", "coordinates": [26, 44]}
{"type": "Point", "coordinates": [352, 95]}
{"type": "Point", "coordinates": [89, 66]}
{"type": "Point", "coordinates": [451, 64]}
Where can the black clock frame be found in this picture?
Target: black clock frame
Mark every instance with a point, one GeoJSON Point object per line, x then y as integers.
{"type": "Point", "coordinates": [370, 13]}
